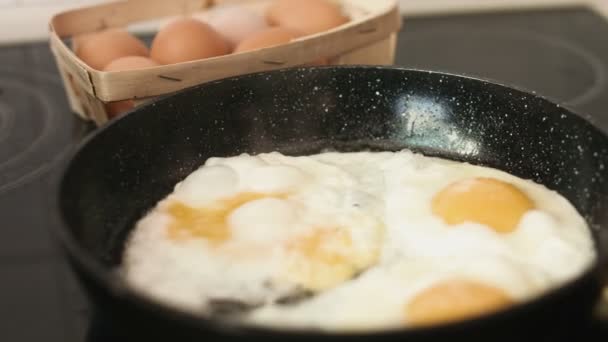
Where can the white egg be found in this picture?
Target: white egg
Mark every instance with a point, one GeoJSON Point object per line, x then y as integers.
{"type": "Point", "coordinates": [235, 23]}
{"type": "Point", "coordinates": [346, 225]}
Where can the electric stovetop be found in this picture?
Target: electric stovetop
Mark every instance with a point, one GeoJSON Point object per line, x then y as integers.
{"type": "Point", "coordinates": [561, 54]}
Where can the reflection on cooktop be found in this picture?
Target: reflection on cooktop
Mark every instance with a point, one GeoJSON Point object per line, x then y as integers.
{"type": "Point", "coordinates": [559, 54]}
{"type": "Point", "coordinates": [522, 57]}
{"type": "Point", "coordinates": [32, 131]}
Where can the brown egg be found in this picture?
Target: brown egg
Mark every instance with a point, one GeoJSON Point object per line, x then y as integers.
{"type": "Point", "coordinates": [267, 38]}
{"type": "Point", "coordinates": [130, 63]}
{"type": "Point", "coordinates": [99, 49]}
{"type": "Point", "coordinates": [79, 39]}
{"type": "Point", "coordinates": [187, 40]}
{"type": "Point", "coordinates": [318, 62]}
{"type": "Point", "coordinates": [126, 63]}
{"type": "Point", "coordinates": [306, 16]}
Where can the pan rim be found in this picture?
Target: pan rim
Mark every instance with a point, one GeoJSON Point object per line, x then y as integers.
{"type": "Point", "coordinates": [111, 282]}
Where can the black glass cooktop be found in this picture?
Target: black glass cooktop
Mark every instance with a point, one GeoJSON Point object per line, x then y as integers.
{"type": "Point", "coordinates": [561, 54]}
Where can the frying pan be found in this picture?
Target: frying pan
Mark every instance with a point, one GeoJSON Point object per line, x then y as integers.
{"type": "Point", "coordinates": [125, 168]}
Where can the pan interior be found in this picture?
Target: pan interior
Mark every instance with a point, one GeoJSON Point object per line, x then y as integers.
{"type": "Point", "coordinates": [130, 165]}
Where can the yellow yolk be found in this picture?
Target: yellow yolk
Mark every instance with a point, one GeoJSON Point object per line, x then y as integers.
{"type": "Point", "coordinates": [317, 245]}
{"type": "Point", "coordinates": [455, 300]}
{"type": "Point", "coordinates": [487, 201]}
{"type": "Point", "coordinates": [209, 223]}
{"type": "Point", "coordinates": [321, 260]}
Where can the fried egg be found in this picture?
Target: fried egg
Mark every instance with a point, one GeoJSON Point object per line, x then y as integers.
{"type": "Point", "coordinates": [353, 241]}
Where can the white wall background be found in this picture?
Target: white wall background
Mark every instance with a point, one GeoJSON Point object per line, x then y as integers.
{"type": "Point", "coordinates": [27, 20]}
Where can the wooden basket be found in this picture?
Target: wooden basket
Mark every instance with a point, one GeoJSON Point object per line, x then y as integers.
{"type": "Point", "coordinates": [369, 38]}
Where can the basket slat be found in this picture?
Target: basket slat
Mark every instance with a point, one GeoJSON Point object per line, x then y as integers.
{"type": "Point", "coordinates": [378, 53]}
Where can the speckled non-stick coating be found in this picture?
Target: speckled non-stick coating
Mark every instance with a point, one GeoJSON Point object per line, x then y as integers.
{"type": "Point", "coordinates": [132, 163]}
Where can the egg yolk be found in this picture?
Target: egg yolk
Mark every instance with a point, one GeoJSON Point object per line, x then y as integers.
{"type": "Point", "coordinates": [209, 223]}
{"type": "Point", "coordinates": [320, 259]}
{"type": "Point", "coordinates": [486, 201]}
{"type": "Point", "coordinates": [455, 300]}
{"type": "Point", "coordinates": [318, 245]}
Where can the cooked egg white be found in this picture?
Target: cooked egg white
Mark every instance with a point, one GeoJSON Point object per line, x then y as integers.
{"type": "Point", "coordinates": [354, 241]}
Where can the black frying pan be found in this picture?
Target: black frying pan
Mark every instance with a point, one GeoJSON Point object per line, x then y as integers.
{"type": "Point", "coordinates": [126, 167]}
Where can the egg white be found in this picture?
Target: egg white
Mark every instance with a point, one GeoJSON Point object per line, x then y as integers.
{"type": "Point", "coordinates": [382, 202]}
